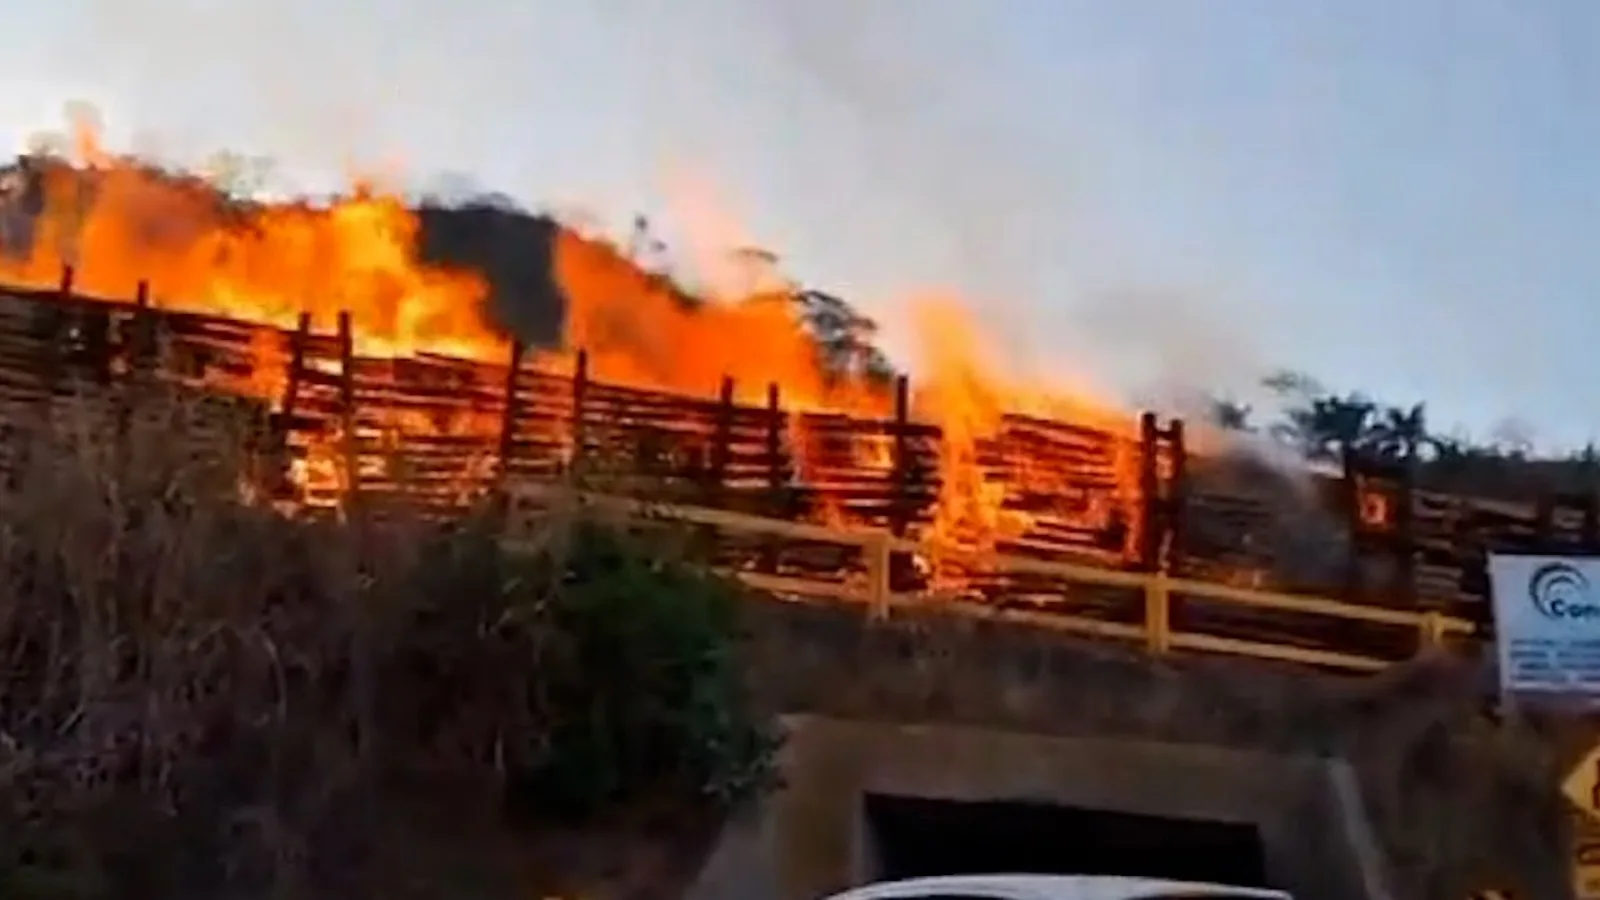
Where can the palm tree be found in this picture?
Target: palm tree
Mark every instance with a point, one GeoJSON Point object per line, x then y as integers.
{"type": "Point", "coordinates": [1326, 426]}
{"type": "Point", "coordinates": [1399, 432]}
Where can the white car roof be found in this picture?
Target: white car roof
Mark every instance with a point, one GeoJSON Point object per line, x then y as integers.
{"type": "Point", "coordinates": [1049, 887]}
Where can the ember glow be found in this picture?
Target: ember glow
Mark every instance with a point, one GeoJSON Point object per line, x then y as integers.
{"type": "Point", "coordinates": [117, 223]}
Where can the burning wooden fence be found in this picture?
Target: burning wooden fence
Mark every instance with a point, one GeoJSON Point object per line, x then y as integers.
{"type": "Point", "coordinates": [440, 433]}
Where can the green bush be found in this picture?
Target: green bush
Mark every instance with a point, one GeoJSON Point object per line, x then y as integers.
{"type": "Point", "coordinates": [642, 685]}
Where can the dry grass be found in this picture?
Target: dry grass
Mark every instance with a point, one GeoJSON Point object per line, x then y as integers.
{"type": "Point", "coordinates": [201, 697]}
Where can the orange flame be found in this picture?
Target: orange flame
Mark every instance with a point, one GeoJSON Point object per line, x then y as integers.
{"type": "Point", "coordinates": [639, 328]}
{"type": "Point", "coordinates": [118, 223]}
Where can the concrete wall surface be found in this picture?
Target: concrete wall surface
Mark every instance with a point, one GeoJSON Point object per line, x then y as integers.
{"type": "Point", "coordinates": [809, 839]}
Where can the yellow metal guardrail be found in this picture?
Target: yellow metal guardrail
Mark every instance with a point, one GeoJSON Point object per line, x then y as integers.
{"type": "Point", "coordinates": [1156, 631]}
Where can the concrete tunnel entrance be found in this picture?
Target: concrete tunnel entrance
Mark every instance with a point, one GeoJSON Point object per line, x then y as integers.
{"type": "Point", "coordinates": [908, 837]}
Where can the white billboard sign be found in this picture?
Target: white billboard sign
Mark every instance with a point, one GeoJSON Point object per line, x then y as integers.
{"type": "Point", "coordinates": [1547, 624]}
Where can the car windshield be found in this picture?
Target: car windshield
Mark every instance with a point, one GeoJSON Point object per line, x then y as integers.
{"type": "Point", "coordinates": [1199, 895]}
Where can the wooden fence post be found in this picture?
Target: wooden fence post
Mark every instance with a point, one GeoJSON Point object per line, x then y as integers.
{"type": "Point", "coordinates": [774, 451]}
{"type": "Point", "coordinates": [297, 366]}
{"type": "Point", "coordinates": [1590, 535]}
{"type": "Point", "coordinates": [721, 439]}
{"type": "Point", "coordinates": [1149, 494]}
{"type": "Point", "coordinates": [145, 351]}
{"type": "Point", "coordinates": [509, 412]}
{"type": "Point", "coordinates": [135, 354]}
{"type": "Point", "coordinates": [288, 406]}
{"type": "Point", "coordinates": [1350, 500]}
{"type": "Point", "coordinates": [1405, 548]}
{"type": "Point", "coordinates": [899, 565]}
{"type": "Point", "coordinates": [56, 321]}
{"type": "Point", "coordinates": [900, 504]}
{"type": "Point", "coordinates": [580, 389]}
{"type": "Point", "coordinates": [500, 505]}
{"type": "Point", "coordinates": [91, 332]}
{"type": "Point", "coordinates": [349, 448]}
{"type": "Point", "coordinates": [1177, 497]}
{"type": "Point", "coordinates": [1544, 522]}
{"type": "Point", "coordinates": [776, 489]}
{"type": "Point", "coordinates": [1391, 536]}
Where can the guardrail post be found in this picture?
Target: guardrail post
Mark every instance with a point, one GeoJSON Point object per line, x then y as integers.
{"type": "Point", "coordinates": [1433, 629]}
{"type": "Point", "coordinates": [877, 551]}
{"type": "Point", "coordinates": [1158, 613]}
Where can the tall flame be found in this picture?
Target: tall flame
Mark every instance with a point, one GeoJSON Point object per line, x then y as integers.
{"type": "Point", "coordinates": [118, 223]}
{"type": "Point", "coordinates": [640, 328]}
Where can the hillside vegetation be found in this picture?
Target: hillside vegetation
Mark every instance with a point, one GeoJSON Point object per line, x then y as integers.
{"type": "Point", "coordinates": [202, 698]}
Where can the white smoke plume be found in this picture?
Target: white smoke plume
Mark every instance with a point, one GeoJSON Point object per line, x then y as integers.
{"type": "Point", "coordinates": [871, 145]}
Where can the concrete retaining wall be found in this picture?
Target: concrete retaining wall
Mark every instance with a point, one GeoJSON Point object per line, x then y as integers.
{"type": "Point", "coordinates": [809, 839]}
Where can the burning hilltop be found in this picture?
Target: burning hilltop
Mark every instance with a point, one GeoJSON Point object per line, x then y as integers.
{"type": "Point", "coordinates": [461, 282]}
{"type": "Point", "coordinates": [446, 281]}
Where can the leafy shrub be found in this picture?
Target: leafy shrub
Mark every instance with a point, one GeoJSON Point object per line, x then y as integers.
{"type": "Point", "coordinates": [643, 689]}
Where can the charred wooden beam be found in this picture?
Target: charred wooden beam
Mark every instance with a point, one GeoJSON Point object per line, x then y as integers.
{"type": "Point", "coordinates": [509, 411]}
{"type": "Point", "coordinates": [57, 325]}
{"type": "Point", "coordinates": [347, 404]}
{"type": "Point", "coordinates": [145, 350]}
{"type": "Point", "coordinates": [580, 390]}
{"type": "Point", "coordinates": [1150, 515]}
{"type": "Point", "coordinates": [777, 501]}
{"type": "Point", "coordinates": [721, 438]}
{"type": "Point", "coordinates": [287, 421]}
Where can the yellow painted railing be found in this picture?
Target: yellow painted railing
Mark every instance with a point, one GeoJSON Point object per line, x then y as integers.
{"type": "Point", "coordinates": [1156, 632]}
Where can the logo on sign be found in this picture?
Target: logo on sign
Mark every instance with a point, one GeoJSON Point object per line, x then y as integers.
{"type": "Point", "coordinates": [1560, 592]}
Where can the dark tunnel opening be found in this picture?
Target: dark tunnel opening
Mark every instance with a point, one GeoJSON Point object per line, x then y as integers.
{"type": "Point", "coordinates": [912, 837]}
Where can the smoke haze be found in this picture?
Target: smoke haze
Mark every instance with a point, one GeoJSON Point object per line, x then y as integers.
{"type": "Point", "coordinates": [862, 142]}
{"type": "Point", "coordinates": [1132, 194]}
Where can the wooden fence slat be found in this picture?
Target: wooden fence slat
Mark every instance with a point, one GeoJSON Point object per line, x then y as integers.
{"type": "Point", "coordinates": [879, 470]}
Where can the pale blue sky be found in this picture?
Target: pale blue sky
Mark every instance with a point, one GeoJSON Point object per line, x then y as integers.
{"type": "Point", "coordinates": [1397, 195]}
